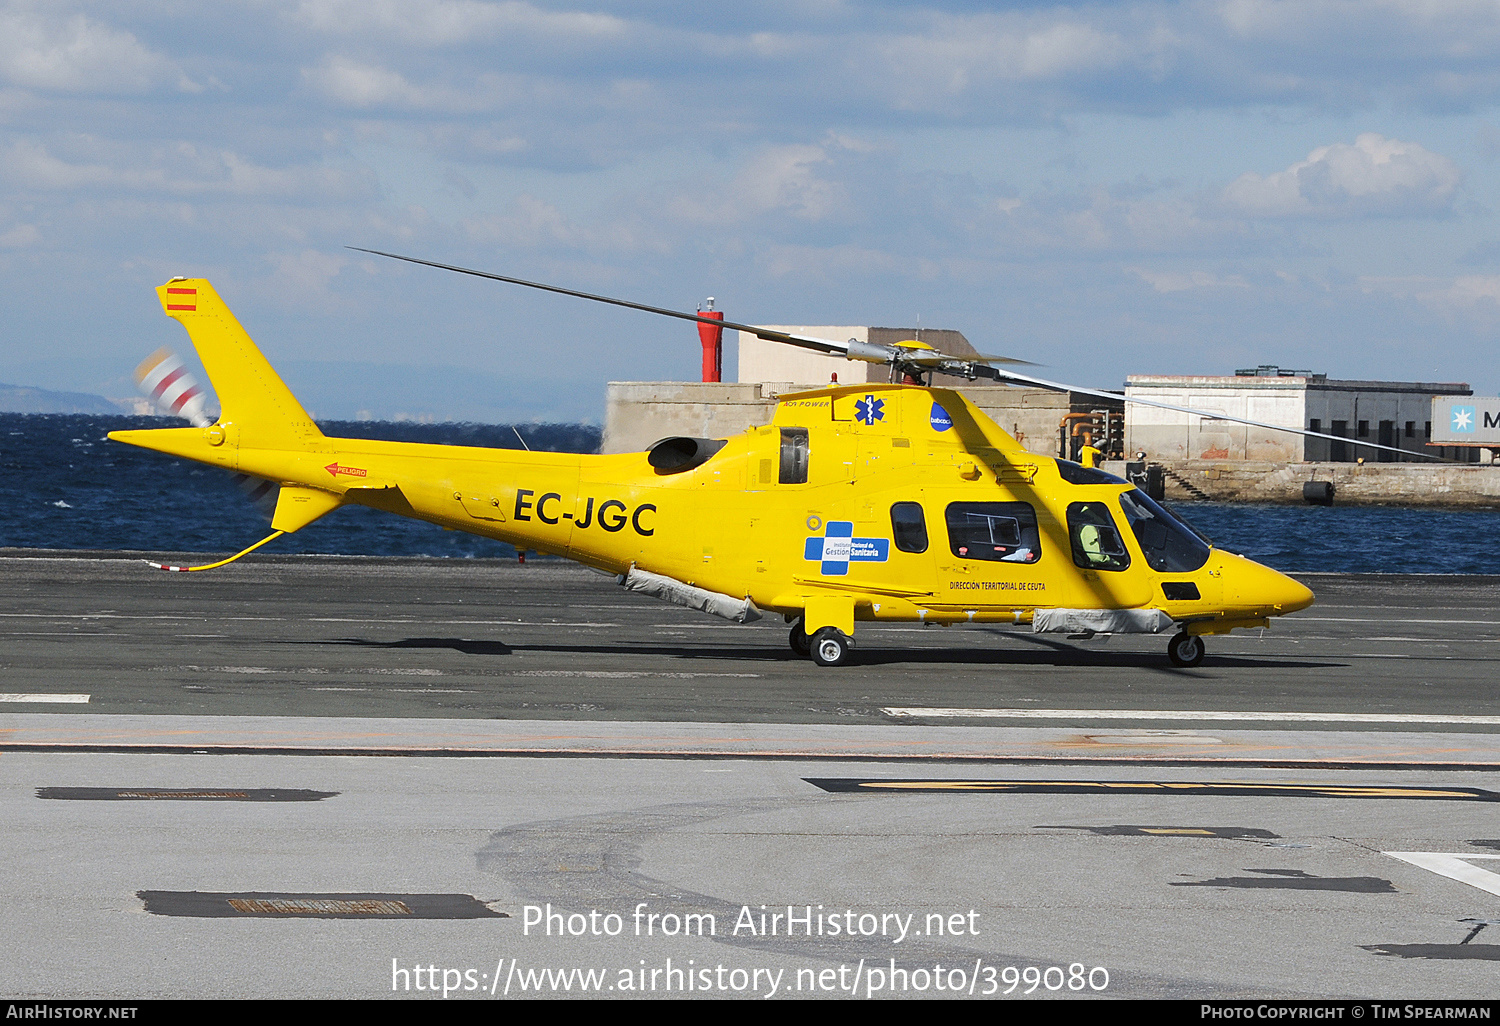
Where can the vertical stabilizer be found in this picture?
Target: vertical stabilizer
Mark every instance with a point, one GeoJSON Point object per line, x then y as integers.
{"type": "Point", "coordinates": [252, 397]}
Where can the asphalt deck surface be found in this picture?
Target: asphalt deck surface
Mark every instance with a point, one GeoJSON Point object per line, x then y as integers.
{"type": "Point", "coordinates": [404, 763]}
{"type": "Point", "coordinates": [485, 640]}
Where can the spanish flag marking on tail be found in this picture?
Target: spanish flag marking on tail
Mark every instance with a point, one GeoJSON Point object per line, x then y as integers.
{"type": "Point", "coordinates": [182, 298]}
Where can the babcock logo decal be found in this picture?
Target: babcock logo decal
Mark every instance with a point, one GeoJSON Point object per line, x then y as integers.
{"type": "Point", "coordinates": [838, 548]}
{"type": "Point", "coordinates": [869, 409]}
{"type": "Point", "coordinates": [940, 419]}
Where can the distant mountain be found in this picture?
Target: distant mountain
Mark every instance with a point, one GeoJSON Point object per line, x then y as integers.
{"type": "Point", "coordinates": [24, 399]}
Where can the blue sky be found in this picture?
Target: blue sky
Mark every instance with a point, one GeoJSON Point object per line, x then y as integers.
{"type": "Point", "coordinates": [1106, 189]}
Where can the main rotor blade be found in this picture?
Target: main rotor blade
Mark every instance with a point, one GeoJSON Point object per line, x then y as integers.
{"type": "Point", "coordinates": [1055, 386]}
{"type": "Point", "coordinates": [852, 349]}
{"type": "Point", "coordinates": [822, 345]}
{"type": "Point", "coordinates": [855, 350]}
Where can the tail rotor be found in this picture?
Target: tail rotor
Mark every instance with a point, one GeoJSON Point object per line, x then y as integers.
{"type": "Point", "coordinates": [164, 379]}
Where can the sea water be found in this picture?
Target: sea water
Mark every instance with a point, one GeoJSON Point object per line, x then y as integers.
{"type": "Point", "coordinates": [64, 486]}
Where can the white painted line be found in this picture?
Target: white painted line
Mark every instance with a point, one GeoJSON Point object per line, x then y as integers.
{"type": "Point", "coordinates": [916, 712]}
{"type": "Point", "coordinates": [674, 675]}
{"type": "Point", "coordinates": [408, 621]}
{"type": "Point", "coordinates": [71, 699]}
{"type": "Point", "coordinates": [310, 619]}
{"type": "Point", "coordinates": [1453, 865]}
{"type": "Point", "coordinates": [129, 616]}
{"type": "Point", "coordinates": [1382, 619]}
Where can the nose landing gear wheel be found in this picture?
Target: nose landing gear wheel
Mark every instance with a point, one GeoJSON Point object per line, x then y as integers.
{"type": "Point", "coordinates": [800, 642]}
{"type": "Point", "coordinates": [1186, 650]}
{"type": "Point", "coordinates": [830, 647]}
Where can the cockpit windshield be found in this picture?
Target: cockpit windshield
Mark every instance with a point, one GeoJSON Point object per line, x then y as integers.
{"type": "Point", "coordinates": [1168, 545]}
{"type": "Point", "coordinates": [1076, 473]}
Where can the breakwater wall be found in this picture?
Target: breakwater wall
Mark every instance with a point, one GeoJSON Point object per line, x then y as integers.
{"type": "Point", "coordinates": [1401, 484]}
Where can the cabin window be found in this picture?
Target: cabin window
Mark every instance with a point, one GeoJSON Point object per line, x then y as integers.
{"type": "Point", "coordinates": [1096, 541]}
{"type": "Point", "coordinates": [909, 527]}
{"type": "Point", "coordinates": [999, 531]}
{"type": "Point", "coordinates": [1169, 545]}
{"type": "Point", "coordinates": [794, 456]}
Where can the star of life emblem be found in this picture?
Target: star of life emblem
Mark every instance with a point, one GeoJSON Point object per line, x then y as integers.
{"type": "Point", "coordinates": [869, 409]}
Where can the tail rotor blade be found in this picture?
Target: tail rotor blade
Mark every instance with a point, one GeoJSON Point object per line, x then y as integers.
{"type": "Point", "coordinates": [261, 493]}
{"type": "Point", "coordinates": [164, 379]}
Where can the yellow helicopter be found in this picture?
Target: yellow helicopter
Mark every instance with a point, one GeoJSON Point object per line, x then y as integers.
{"type": "Point", "coordinates": [869, 502]}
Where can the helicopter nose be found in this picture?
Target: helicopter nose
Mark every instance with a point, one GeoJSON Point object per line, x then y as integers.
{"type": "Point", "coordinates": [1271, 590]}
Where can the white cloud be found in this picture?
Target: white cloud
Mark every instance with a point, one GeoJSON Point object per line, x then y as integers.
{"type": "Point", "coordinates": [433, 23]}
{"type": "Point", "coordinates": [1457, 27]}
{"type": "Point", "coordinates": [1468, 294]}
{"type": "Point", "coordinates": [181, 169]}
{"type": "Point", "coordinates": [352, 83]}
{"type": "Point", "coordinates": [1179, 281]}
{"type": "Point", "coordinates": [300, 280]}
{"type": "Point", "coordinates": [1471, 298]}
{"type": "Point", "coordinates": [19, 236]}
{"type": "Point", "coordinates": [78, 55]}
{"type": "Point", "coordinates": [957, 53]}
{"type": "Point", "coordinates": [1375, 175]}
{"type": "Point", "coordinates": [552, 70]}
{"type": "Point", "coordinates": [355, 84]}
{"type": "Point", "coordinates": [1472, 288]}
{"type": "Point", "coordinates": [777, 179]}
{"type": "Point", "coordinates": [1102, 223]}
{"type": "Point", "coordinates": [532, 223]}
{"type": "Point", "coordinates": [828, 264]}
{"type": "Point", "coordinates": [950, 59]}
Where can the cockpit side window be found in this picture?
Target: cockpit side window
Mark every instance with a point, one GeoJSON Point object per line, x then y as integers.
{"type": "Point", "coordinates": [794, 456]}
{"type": "Point", "coordinates": [909, 527]}
{"type": "Point", "coordinates": [1096, 541]}
{"type": "Point", "coordinates": [1000, 531]}
{"type": "Point", "coordinates": [1168, 545]}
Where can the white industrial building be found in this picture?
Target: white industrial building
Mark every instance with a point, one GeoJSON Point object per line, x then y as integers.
{"type": "Point", "coordinates": [778, 364]}
{"type": "Point", "coordinates": [1044, 422]}
{"type": "Point", "coordinates": [1391, 413]}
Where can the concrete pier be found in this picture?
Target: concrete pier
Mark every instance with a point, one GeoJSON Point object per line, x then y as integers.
{"type": "Point", "coordinates": [1403, 484]}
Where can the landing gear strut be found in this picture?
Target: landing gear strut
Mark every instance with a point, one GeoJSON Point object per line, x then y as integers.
{"type": "Point", "coordinates": [1186, 650]}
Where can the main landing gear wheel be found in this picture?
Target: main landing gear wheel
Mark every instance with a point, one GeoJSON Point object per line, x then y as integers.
{"type": "Point", "coordinates": [830, 647]}
{"type": "Point", "coordinates": [800, 642]}
{"type": "Point", "coordinates": [1186, 650]}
